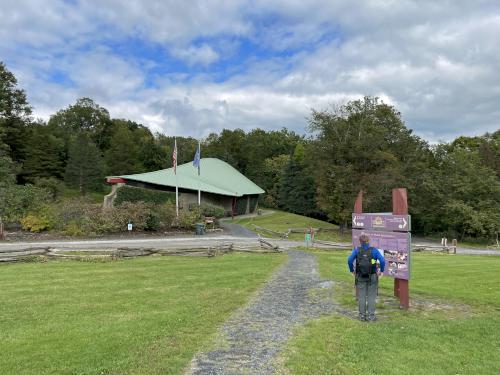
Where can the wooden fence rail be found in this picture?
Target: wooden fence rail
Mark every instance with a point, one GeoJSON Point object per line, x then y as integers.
{"type": "Point", "coordinates": [262, 246]}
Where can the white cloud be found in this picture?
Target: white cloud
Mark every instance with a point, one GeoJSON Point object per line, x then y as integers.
{"type": "Point", "coordinates": [204, 54]}
{"type": "Point", "coordinates": [436, 61]}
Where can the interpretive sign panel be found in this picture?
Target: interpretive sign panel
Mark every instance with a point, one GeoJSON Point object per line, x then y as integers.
{"type": "Point", "coordinates": [395, 247]}
{"type": "Point", "coordinates": [401, 223]}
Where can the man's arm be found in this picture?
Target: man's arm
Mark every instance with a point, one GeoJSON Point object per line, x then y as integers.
{"type": "Point", "coordinates": [351, 258]}
{"type": "Point", "coordinates": [378, 256]}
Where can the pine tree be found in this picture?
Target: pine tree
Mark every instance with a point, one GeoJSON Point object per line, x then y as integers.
{"type": "Point", "coordinates": [297, 192]}
{"type": "Point", "coordinates": [122, 156]}
{"type": "Point", "coordinates": [84, 168]}
{"type": "Point", "coordinates": [14, 114]}
{"type": "Point", "coordinates": [43, 154]}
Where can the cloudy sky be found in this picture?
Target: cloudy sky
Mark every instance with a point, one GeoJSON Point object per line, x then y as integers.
{"type": "Point", "coordinates": [195, 67]}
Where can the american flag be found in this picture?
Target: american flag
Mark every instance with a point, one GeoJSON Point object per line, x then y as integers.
{"type": "Point", "coordinates": [174, 157]}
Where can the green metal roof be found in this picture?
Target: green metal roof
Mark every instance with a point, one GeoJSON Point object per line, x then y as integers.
{"type": "Point", "coordinates": [216, 176]}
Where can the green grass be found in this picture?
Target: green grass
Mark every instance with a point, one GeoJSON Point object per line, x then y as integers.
{"type": "Point", "coordinates": [453, 329]}
{"type": "Point", "coordinates": [281, 221]}
{"type": "Point", "coordinates": [95, 197]}
{"type": "Point", "coordinates": [139, 316]}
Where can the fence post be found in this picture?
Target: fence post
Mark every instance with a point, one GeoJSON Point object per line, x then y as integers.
{"type": "Point", "coordinates": [454, 245]}
{"type": "Point", "coordinates": [2, 235]}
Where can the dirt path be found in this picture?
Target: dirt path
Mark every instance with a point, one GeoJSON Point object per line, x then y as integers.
{"type": "Point", "coordinates": [250, 340]}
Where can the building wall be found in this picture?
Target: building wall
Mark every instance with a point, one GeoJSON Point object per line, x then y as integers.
{"type": "Point", "coordinates": [187, 199]}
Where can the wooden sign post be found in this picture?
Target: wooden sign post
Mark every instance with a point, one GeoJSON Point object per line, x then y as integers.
{"type": "Point", "coordinates": [391, 234]}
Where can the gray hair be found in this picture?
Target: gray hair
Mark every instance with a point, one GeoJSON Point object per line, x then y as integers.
{"type": "Point", "coordinates": [364, 239]}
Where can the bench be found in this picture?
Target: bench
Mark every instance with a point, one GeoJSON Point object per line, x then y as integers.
{"type": "Point", "coordinates": [210, 220]}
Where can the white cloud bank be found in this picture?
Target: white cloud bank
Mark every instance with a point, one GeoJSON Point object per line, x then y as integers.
{"type": "Point", "coordinates": [437, 62]}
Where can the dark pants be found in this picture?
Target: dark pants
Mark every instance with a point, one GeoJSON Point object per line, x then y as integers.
{"type": "Point", "coordinates": [367, 293]}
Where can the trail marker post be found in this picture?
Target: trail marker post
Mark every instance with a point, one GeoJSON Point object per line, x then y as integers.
{"type": "Point", "coordinates": [389, 232]}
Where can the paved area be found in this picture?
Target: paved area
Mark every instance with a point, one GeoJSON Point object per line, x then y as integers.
{"type": "Point", "coordinates": [237, 230]}
{"type": "Point", "coordinates": [232, 233]}
{"type": "Point", "coordinates": [251, 339]}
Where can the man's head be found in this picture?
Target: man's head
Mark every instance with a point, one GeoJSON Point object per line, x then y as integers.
{"type": "Point", "coordinates": [364, 240]}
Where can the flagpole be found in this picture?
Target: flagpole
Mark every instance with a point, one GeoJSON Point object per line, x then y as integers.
{"type": "Point", "coordinates": [176, 182]}
{"type": "Point", "coordinates": [199, 162]}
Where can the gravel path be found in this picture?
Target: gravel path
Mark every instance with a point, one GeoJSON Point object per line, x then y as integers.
{"type": "Point", "coordinates": [251, 339]}
{"type": "Point", "coordinates": [237, 230]}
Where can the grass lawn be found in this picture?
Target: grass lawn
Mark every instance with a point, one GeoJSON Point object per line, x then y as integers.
{"type": "Point", "coordinates": [281, 221]}
{"type": "Point", "coordinates": [95, 197]}
{"type": "Point", "coordinates": [139, 316]}
{"type": "Point", "coordinates": [454, 328]}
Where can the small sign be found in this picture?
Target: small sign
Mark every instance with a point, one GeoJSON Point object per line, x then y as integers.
{"type": "Point", "coordinates": [395, 247]}
{"type": "Point", "coordinates": [400, 223]}
{"type": "Point", "coordinates": [129, 226]}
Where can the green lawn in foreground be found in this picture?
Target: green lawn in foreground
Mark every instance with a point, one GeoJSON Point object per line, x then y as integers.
{"type": "Point", "coordinates": [281, 221]}
{"type": "Point", "coordinates": [138, 316]}
{"type": "Point", "coordinates": [460, 338]}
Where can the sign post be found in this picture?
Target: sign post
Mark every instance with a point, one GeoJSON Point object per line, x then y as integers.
{"type": "Point", "coordinates": [389, 232]}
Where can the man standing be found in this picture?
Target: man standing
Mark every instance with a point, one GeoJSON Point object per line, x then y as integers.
{"type": "Point", "coordinates": [366, 275]}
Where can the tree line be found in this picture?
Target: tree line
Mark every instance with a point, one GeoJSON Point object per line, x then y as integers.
{"type": "Point", "coordinates": [361, 145]}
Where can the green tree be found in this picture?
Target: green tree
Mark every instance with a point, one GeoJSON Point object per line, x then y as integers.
{"type": "Point", "coordinates": [228, 146]}
{"type": "Point", "coordinates": [7, 173]}
{"type": "Point", "coordinates": [297, 187]}
{"type": "Point", "coordinates": [487, 147]}
{"type": "Point", "coordinates": [15, 113]}
{"type": "Point", "coordinates": [152, 155]}
{"type": "Point", "coordinates": [84, 168]}
{"type": "Point", "coordinates": [122, 157]}
{"type": "Point", "coordinates": [43, 155]}
{"type": "Point", "coordinates": [85, 116]}
{"type": "Point", "coordinates": [273, 171]}
{"type": "Point", "coordinates": [362, 145]}
{"type": "Point", "coordinates": [469, 194]}
{"type": "Point", "coordinates": [260, 145]}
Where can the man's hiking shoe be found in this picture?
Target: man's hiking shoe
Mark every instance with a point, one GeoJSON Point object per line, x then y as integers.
{"type": "Point", "coordinates": [362, 318]}
{"type": "Point", "coordinates": [372, 319]}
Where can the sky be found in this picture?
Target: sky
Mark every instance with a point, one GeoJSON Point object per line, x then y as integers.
{"type": "Point", "coordinates": [190, 68]}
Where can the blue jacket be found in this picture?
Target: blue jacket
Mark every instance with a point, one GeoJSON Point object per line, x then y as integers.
{"type": "Point", "coordinates": [376, 254]}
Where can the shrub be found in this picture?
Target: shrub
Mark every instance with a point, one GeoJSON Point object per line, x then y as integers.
{"type": "Point", "coordinates": [133, 194]}
{"type": "Point", "coordinates": [73, 229]}
{"type": "Point", "coordinates": [19, 200]}
{"type": "Point", "coordinates": [187, 219]}
{"type": "Point", "coordinates": [166, 214]}
{"type": "Point", "coordinates": [53, 186]}
{"type": "Point", "coordinates": [35, 223]}
{"type": "Point", "coordinates": [210, 210]}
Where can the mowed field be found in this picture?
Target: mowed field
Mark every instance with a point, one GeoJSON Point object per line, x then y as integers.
{"type": "Point", "coordinates": [139, 316]}
{"type": "Point", "coordinates": [281, 221]}
{"type": "Point", "coordinates": [151, 315]}
{"type": "Point", "coordinates": [452, 328]}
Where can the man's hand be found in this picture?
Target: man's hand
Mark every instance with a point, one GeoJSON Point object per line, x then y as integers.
{"type": "Point", "coordinates": [354, 274]}
{"type": "Point", "coordinates": [380, 274]}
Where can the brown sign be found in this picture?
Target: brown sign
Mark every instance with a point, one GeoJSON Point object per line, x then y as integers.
{"type": "Point", "coordinates": [399, 223]}
{"type": "Point", "coordinates": [395, 247]}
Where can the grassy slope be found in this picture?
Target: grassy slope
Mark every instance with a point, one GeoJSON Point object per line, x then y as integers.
{"type": "Point", "coordinates": [456, 340]}
{"type": "Point", "coordinates": [140, 316]}
{"type": "Point", "coordinates": [281, 221]}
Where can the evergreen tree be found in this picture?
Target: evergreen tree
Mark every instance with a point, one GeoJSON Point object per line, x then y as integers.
{"type": "Point", "coordinates": [14, 114]}
{"type": "Point", "coordinates": [122, 157]}
{"type": "Point", "coordinates": [84, 168]}
{"type": "Point", "coordinates": [44, 154]}
{"type": "Point", "coordinates": [152, 155]}
{"type": "Point", "coordinates": [297, 189]}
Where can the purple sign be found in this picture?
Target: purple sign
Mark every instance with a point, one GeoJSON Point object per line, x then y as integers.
{"type": "Point", "coordinates": [395, 247]}
{"type": "Point", "coordinates": [401, 223]}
